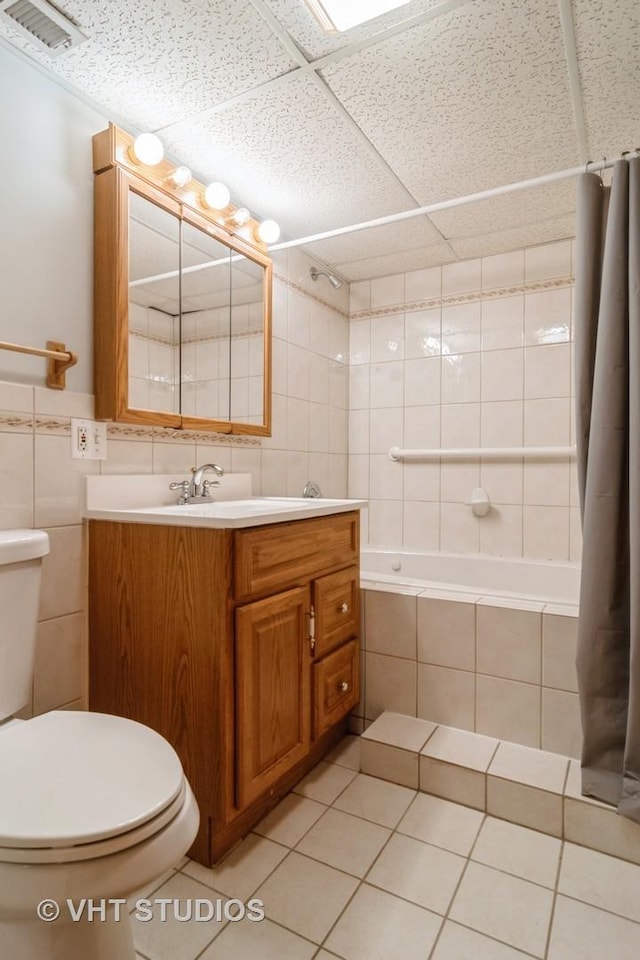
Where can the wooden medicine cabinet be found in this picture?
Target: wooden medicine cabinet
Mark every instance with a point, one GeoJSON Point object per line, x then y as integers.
{"type": "Point", "coordinates": [182, 302]}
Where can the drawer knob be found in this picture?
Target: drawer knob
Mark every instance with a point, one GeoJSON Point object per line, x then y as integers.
{"type": "Point", "coordinates": [344, 607]}
{"type": "Point", "coordinates": [343, 686]}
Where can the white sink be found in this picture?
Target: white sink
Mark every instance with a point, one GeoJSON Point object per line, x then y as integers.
{"type": "Point", "coordinates": [241, 508]}
{"type": "Point", "coordinates": [244, 512]}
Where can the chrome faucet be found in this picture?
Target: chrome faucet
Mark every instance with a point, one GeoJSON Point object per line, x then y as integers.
{"type": "Point", "coordinates": [197, 490]}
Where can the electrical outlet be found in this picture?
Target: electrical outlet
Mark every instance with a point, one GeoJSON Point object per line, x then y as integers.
{"type": "Point", "coordinates": [88, 440]}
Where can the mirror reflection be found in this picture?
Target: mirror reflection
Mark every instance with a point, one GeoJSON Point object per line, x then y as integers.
{"type": "Point", "coordinates": [154, 306]}
{"type": "Point", "coordinates": [247, 339]}
{"type": "Point", "coordinates": [206, 336]}
{"type": "Point", "coordinates": [196, 320]}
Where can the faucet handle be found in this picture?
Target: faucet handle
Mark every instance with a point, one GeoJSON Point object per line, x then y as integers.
{"type": "Point", "coordinates": [183, 486]}
{"type": "Point", "coordinates": [207, 484]}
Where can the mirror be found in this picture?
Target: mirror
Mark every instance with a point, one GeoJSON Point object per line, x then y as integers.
{"type": "Point", "coordinates": [206, 325]}
{"type": "Point", "coordinates": [154, 306]}
{"type": "Point", "coordinates": [183, 314]}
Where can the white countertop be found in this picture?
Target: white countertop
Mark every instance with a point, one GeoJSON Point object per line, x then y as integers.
{"type": "Point", "coordinates": [143, 498]}
{"type": "Point", "coordinates": [251, 512]}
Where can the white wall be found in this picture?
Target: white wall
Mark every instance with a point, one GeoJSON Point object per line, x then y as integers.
{"type": "Point", "coordinates": [46, 240]}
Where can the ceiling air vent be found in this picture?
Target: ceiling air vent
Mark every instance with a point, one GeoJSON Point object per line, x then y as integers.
{"type": "Point", "coordinates": [45, 26]}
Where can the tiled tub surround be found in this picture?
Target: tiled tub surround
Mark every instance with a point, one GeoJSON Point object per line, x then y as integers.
{"type": "Point", "coordinates": [499, 666]}
{"type": "Point", "coordinates": [471, 354]}
{"type": "Point", "coordinates": [533, 788]}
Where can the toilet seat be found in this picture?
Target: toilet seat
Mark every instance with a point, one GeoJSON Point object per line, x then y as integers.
{"type": "Point", "coordinates": [82, 785]}
{"type": "Point", "coordinates": [39, 856]}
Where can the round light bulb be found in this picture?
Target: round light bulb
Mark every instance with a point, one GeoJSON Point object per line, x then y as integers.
{"type": "Point", "coordinates": [217, 196]}
{"type": "Point", "coordinates": [181, 176]}
{"type": "Point", "coordinates": [148, 149]}
{"type": "Point", "coordinates": [241, 216]}
{"type": "Point", "coordinates": [268, 231]}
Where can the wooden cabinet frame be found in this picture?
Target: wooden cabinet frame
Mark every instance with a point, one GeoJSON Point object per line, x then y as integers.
{"type": "Point", "coordinates": [115, 176]}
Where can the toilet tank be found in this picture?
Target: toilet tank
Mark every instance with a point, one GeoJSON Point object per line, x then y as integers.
{"type": "Point", "coordinates": [21, 553]}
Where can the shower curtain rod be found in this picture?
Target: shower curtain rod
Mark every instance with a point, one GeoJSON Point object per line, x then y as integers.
{"type": "Point", "coordinates": [591, 167]}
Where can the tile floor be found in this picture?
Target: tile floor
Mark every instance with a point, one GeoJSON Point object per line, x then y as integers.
{"type": "Point", "coordinates": [353, 867]}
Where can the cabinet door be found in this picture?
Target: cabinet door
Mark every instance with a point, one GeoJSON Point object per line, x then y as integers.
{"type": "Point", "coordinates": [273, 709]}
{"type": "Point", "coordinates": [337, 607]}
{"type": "Point", "coordinates": [336, 686]}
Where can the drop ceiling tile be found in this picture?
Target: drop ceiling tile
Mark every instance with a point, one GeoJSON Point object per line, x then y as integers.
{"type": "Point", "coordinates": [473, 99]}
{"type": "Point", "coordinates": [153, 62]}
{"type": "Point", "coordinates": [376, 241]}
{"type": "Point", "coordinates": [517, 238]}
{"type": "Point", "coordinates": [289, 154]}
{"type": "Point", "coordinates": [608, 48]}
{"type": "Point", "coordinates": [298, 20]}
{"type": "Point", "coordinates": [392, 263]}
{"type": "Point", "coordinates": [509, 211]}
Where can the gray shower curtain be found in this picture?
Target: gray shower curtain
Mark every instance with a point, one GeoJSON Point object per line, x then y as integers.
{"type": "Point", "coordinates": [607, 364]}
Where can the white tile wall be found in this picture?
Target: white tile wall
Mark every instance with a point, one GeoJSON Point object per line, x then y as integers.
{"type": "Point", "coordinates": [487, 357]}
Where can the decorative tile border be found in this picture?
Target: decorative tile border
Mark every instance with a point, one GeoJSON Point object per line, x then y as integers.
{"type": "Point", "coordinates": [187, 341]}
{"type": "Point", "coordinates": [493, 294]}
{"type": "Point", "coordinates": [169, 435]}
{"type": "Point", "coordinates": [153, 338]}
{"type": "Point", "coordinates": [310, 296]}
{"type": "Point", "coordinates": [53, 426]}
{"type": "Point", "coordinates": [15, 422]}
{"type": "Point", "coordinates": [61, 426]}
{"type": "Point", "coordinates": [129, 431]}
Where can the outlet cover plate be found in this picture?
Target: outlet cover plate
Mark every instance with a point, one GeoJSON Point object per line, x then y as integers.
{"type": "Point", "coordinates": [88, 440]}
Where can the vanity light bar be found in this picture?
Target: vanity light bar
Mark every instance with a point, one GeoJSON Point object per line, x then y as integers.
{"type": "Point", "coordinates": [145, 154]}
{"type": "Point", "coordinates": [147, 149]}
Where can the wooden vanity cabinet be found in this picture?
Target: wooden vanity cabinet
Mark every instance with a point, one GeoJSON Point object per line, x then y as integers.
{"type": "Point", "coordinates": [239, 646]}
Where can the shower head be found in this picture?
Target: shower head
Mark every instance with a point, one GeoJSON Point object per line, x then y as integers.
{"type": "Point", "coordinates": [335, 282]}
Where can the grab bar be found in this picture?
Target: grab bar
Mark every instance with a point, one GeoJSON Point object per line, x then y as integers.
{"type": "Point", "coordinates": [485, 453]}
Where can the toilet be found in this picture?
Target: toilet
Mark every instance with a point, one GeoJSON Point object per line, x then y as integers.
{"type": "Point", "coordinates": [93, 807]}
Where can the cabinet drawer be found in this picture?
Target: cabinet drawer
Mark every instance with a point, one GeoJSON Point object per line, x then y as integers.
{"type": "Point", "coordinates": [277, 556]}
{"type": "Point", "coordinates": [336, 686]}
{"type": "Point", "coordinates": [337, 608]}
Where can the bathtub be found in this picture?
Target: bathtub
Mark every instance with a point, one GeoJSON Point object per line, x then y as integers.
{"type": "Point", "coordinates": [484, 644]}
{"type": "Point", "coordinates": [546, 582]}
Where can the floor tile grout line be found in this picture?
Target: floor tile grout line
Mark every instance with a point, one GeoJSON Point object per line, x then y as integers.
{"type": "Point", "coordinates": [468, 859]}
{"type": "Point", "coordinates": [304, 834]}
{"type": "Point", "coordinates": [457, 887]}
{"type": "Point", "coordinates": [340, 915]}
{"type": "Point", "coordinates": [596, 906]}
{"type": "Point", "coordinates": [364, 880]}
{"type": "Point", "coordinates": [555, 899]}
{"type": "Point", "coordinates": [368, 819]}
{"type": "Point", "coordinates": [235, 848]}
{"type": "Point", "coordinates": [486, 816]}
{"type": "Point", "coordinates": [503, 943]}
